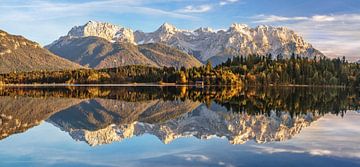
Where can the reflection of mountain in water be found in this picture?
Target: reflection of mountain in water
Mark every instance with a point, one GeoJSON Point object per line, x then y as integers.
{"type": "Point", "coordinates": [21, 113]}
{"type": "Point", "coordinates": [104, 115]}
{"type": "Point", "coordinates": [203, 123]}
{"type": "Point", "coordinates": [96, 114]}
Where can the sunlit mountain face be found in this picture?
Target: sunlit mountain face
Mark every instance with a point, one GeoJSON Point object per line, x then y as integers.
{"type": "Point", "coordinates": [104, 115]}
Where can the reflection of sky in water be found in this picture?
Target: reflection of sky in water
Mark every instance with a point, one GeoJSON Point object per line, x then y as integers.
{"type": "Point", "coordinates": [330, 141]}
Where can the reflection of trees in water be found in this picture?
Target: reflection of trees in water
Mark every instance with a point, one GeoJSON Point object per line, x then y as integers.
{"type": "Point", "coordinates": [255, 100]}
{"type": "Point", "coordinates": [294, 100]}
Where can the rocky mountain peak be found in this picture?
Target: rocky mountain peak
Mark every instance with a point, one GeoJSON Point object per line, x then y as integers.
{"type": "Point", "coordinates": [125, 35]}
{"type": "Point", "coordinates": [204, 30]}
{"type": "Point", "coordinates": [167, 28]}
{"type": "Point", "coordinates": [238, 27]}
{"type": "Point", "coordinates": [108, 31]}
{"type": "Point", "coordinates": [94, 28]}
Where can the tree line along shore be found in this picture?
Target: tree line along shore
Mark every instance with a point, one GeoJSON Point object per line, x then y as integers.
{"type": "Point", "coordinates": [252, 70]}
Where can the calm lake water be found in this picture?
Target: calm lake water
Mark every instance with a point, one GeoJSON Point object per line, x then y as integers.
{"type": "Point", "coordinates": [179, 126]}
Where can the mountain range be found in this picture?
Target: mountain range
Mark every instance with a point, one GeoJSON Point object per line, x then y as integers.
{"type": "Point", "coordinates": [202, 43]}
{"type": "Point", "coordinates": [238, 39]}
{"type": "Point", "coordinates": [105, 45]}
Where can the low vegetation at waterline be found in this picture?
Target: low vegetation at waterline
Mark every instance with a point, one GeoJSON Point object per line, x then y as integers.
{"type": "Point", "coordinates": [249, 70]}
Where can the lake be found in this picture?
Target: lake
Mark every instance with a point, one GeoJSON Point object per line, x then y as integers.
{"type": "Point", "coordinates": [179, 126]}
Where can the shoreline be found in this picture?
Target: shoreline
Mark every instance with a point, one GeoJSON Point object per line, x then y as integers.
{"type": "Point", "coordinates": [160, 85]}
{"type": "Point", "coordinates": [86, 85]}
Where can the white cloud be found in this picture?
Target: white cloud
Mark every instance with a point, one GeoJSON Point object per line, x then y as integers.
{"type": "Point", "coordinates": [205, 7]}
{"type": "Point", "coordinates": [322, 18]}
{"type": "Point", "coordinates": [293, 150]}
{"type": "Point", "coordinates": [315, 18]}
{"type": "Point", "coordinates": [46, 20]}
{"type": "Point", "coordinates": [225, 2]}
{"type": "Point", "coordinates": [194, 157]}
{"type": "Point", "coordinates": [273, 150]}
{"type": "Point", "coordinates": [46, 10]}
{"type": "Point", "coordinates": [195, 9]}
{"type": "Point", "coordinates": [274, 18]}
{"type": "Point", "coordinates": [334, 35]}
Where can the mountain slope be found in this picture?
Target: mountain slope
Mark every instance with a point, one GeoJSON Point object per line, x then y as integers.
{"type": "Point", "coordinates": [97, 52]}
{"type": "Point", "coordinates": [20, 54]}
{"type": "Point", "coordinates": [164, 55]}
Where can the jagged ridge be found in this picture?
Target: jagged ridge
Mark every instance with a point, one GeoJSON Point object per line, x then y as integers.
{"type": "Point", "coordinates": [239, 39]}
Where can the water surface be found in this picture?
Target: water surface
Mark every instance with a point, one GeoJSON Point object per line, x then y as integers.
{"type": "Point", "coordinates": [179, 126]}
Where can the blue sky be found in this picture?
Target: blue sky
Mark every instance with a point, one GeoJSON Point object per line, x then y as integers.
{"type": "Point", "coordinates": [332, 26]}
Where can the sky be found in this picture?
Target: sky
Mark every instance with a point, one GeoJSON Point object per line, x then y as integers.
{"type": "Point", "coordinates": [332, 26]}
